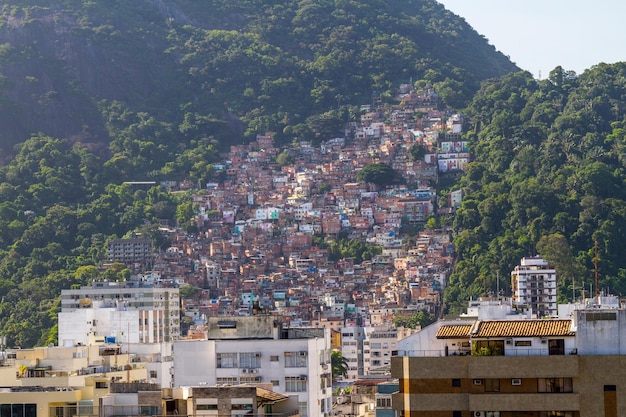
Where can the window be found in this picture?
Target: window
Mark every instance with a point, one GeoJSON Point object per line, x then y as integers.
{"type": "Point", "coordinates": [18, 410]}
{"type": "Point", "coordinates": [227, 380]}
{"type": "Point", "coordinates": [556, 346]}
{"type": "Point", "coordinates": [153, 374]}
{"type": "Point", "coordinates": [102, 384]}
{"type": "Point", "coordinates": [600, 316]}
{"type": "Point", "coordinates": [274, 358]}
{"type": "Point", "coordinates": [456, 382]}
{"type": "Point", "coordinates": [249, 360]}
{"type": "Point", "coordinates": [249, 379]}
{"type": "Point", "coordinates": [245, 407]}
{"type": "Point", "coordinates": [295, 359]}
{"type": "Point", "coordinates": [148, 410]}
{"type": "Point", "coordinates": [325, 381]}
{"type": "Point", "coordinates": [275, 382]}
{"type": "Point", "coordinates": [489, 347]}
{"type": "Point", "coordinates": [554, 385]}
{"type": "Point", "coordinates": [457, 414]}
{"type": "Point", "coordinates": [303, 406]}
{"type": "Point", "coordinates": [492, 385]}
{"type": "Point", "coordinates": [295, 384]}
{"type": "Point", "coordinates": [206, 407]}
{"type": "Point", "coordinates": [383, 402]}
{"type": "Point", "coordinates": [523, 343]}
{"type": "Point", "coordinates": [226, 360]}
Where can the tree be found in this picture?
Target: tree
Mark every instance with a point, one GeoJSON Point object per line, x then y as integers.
{"type": "Point", "coordinates": [377, 173]}
{"type": "Point", "coordinates": [323, 188]}
{"type": "Point", "coordinates": [339, 364]}
{"type": "Point", "coordinates": [284, 159]}
{"type": "Point", "coordinates": [417, 151]}
{"type": "Point", "coordinates": [188, 291]}
{"type": "Point", "coordinates": [556, 250]}
{"type": "Point", "coordinates": [419, 320]}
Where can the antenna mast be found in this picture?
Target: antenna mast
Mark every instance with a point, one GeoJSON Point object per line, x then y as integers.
{"type": "Point", "coordinates": [595, 267]}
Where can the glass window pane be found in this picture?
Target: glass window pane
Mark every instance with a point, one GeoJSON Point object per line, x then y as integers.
{"type": "Point", "coordinates": [30, 410]}
{"type": "Point", "coordinates": [17, 410]}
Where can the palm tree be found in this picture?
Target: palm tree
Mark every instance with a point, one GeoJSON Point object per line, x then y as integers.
{"type": "Point", "coordinates": [339, 364]}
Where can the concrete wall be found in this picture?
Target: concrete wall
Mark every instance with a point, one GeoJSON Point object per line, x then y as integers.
{"type": "Point", "coordinates": [426, 384]}
{"type": "Point", "coordinates": [601, 337]}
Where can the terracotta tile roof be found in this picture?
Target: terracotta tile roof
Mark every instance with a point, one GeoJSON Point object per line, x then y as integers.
{"type": "Point", "coordinates": [454, 331]}
{"type": "Point", "coordinates": [522, 328]}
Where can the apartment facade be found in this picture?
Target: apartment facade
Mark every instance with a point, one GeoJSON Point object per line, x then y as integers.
{"type": "Point", "coordinates": [533, 283]}
{"type": "Point", "coordinates": [367, 349]}
{"type": "Point", "coordinates": [129, 250]}
{"type": "Point", "coordinates": [507, 368]}
{"type": "Point", "coordinates": [229, 401]}
{"type": "Point", "coordinates": [119, 311]}
{"type": "Point", "coordinates": [259, 350]}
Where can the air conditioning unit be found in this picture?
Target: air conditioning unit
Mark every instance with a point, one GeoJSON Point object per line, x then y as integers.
{"type": "Point", "coordinates": [302, 353]}
{"type": "Point", "coordinates": [478, 382]}
{"type": "Point", "coordinates": [252, 371]}
{"type": "Point", "coordinates": [516, 381]}
{"type": "Point", "coordinates": [302, 377]}
{"type": "Point", "coordinates": [244, 371]}
{"type": "Point", "coordinates": [478, 414]}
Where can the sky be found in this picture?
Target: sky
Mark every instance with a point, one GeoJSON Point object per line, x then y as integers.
{"type": "Point", "coordinates": [539, 35]}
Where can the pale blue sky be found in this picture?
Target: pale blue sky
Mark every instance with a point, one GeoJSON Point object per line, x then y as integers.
{"type": "Point", "coordinates": [538, 35]}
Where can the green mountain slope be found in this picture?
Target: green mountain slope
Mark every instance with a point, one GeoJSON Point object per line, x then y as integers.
{"type": "Point", "coordinates": [549, 179]}
{"type": "Point", "coordinates": [241, 66]}
{"type": "Point", "coordinates": [98, 92]}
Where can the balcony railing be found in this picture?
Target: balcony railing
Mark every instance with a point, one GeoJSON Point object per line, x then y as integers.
{"type": "Point", "coordinates": [508, 351]}
{"type": "Point", "coordinates": [293, 413]}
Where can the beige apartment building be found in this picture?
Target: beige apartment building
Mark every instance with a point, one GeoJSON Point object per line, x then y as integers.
{"type": "Point", "coordinates": [572, 367]}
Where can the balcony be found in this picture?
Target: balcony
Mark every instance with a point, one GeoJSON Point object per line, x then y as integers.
{"type": "Point", "coordinates": [477, 367]}
{"type": "Point", "coordinates": [529, 402]}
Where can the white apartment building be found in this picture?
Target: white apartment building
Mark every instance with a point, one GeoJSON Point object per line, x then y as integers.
{"type": "Point", "coordinates": [118, 311]}
{"type": "Point", "coordinates": [533, 283]}
{"type": "Point", "coordinates": [368, 350]}
{"type": "Point", "coordinates": [258, 349]}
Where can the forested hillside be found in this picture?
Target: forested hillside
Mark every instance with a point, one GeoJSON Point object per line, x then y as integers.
{"type": "Point", "coordinates": [94, 93]}
{"type": "Point", "coordinates": [77, 69]}
{"type": "Point", "coordinates": [549, 179]}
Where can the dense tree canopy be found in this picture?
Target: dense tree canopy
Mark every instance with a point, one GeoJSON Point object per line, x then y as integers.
{"type": "Point", "coordinates": [56, 214]}
{"type": "Point", "coordinates": [377, 173]}
{"type": "Point", "coordinates": [548, 179]}
{"type": "Point", "coordinates": [153, 75]}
